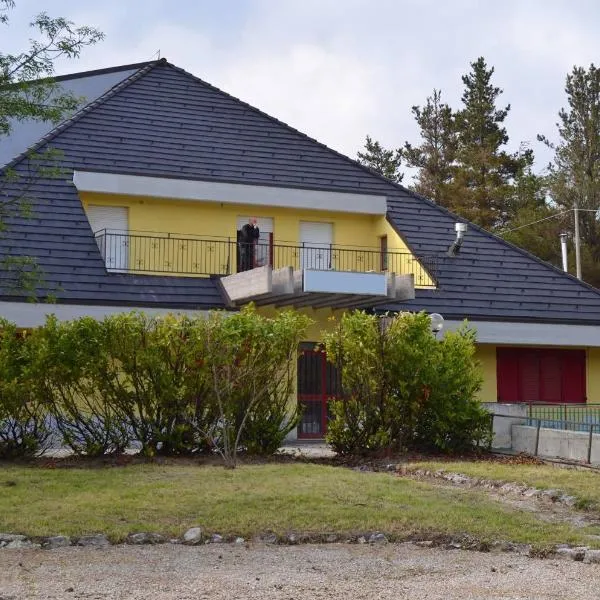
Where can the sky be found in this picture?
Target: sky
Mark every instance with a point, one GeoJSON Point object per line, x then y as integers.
{"type": "Point", "coordinates": [340, 69]}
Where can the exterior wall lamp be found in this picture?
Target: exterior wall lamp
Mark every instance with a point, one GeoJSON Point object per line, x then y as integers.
{"type": "Point", "coordinates": [437, 323]}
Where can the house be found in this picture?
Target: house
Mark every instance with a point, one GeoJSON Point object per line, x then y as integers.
{"type": "Point", "coordinates": [161, 172]}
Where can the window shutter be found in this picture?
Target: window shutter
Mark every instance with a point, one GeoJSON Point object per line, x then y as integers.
{"type": "Point", "coordinates": [507, 375]}
{"type": "Point", "coordinates": [551, 368]}
{"type": "Point", "coordinates": [529, 375]}
{"type": "Point", "coordinates": [573, 377]}
{"type": "Point", "coordinates": [541, 375]}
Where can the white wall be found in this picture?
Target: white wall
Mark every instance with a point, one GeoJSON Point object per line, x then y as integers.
{"type": "Point", "coordinates": [514, 415]}
{"type": "Point", "coordinates": [556, 443]}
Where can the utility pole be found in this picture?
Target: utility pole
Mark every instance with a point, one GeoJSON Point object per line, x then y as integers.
{"type": "Point", "coordinates": [577, 241]}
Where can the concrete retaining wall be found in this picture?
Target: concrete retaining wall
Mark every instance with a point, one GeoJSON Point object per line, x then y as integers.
{"type": "Point", "coordinates": [505, 417]}
{"type": "Point", "coordinates": [556, 443]}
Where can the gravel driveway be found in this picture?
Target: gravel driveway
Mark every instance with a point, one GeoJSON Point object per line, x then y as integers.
{"type": "Point", "coordinates": [172, 572]}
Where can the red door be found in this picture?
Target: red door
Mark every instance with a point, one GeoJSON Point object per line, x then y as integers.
{"type": "Point", "coordinates": [541, 375]}
{"type": "Point", "coordinates": [317, 384]}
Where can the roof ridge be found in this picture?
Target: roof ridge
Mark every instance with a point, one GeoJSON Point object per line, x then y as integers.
{"type": "Point", "coordinates": [63, 125]}
{"type": "Point", "coordinates": [102, 71]}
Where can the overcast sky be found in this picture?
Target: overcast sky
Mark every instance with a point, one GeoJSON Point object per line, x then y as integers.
{"type": "Point", "coordinates": [339, 69]}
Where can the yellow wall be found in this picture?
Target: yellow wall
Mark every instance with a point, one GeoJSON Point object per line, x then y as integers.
{"type": "Point", "coordinates": [593, 375]}
{"type": "Point", "coordinates": [321, 318]}
{"type": "Point", "coordinates": [486, 354]}
{"type": "Point", "coordinates": [214, 219]}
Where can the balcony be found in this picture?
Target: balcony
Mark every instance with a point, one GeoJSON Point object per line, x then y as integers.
{"type": "Point", "coordinates": [160, 254]}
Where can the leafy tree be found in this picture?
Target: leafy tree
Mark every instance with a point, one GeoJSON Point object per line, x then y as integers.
{"type": "Point", "coordinates": [574, 174]}
{"type": "Point", "coordinates": [383, 161]}
{"type": "Point", "coordinates": [434, 157]}
{"type": "Point", "coordinates": [483, 186]}
{"type": "Point", "coordinates": [402, 388]}
{"type": "Point", "coordinates": [27, 92]}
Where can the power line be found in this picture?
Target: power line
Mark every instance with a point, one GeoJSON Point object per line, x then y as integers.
{"type": "Point", "coordinates": [564, 212]}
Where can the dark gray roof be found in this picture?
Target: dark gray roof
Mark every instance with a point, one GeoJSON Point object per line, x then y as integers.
{"type": "Point", "coordinates": [162, 121]}
{"type": "Point", "coordinates": [87, 85]}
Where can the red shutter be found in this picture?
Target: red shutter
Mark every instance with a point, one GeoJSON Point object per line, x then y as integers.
{"type": "Point", "coordinates": [573, 377]}
{"type": "Point", "coordinates": [529, 375]}
{"type": "Point", "coordinates": [551, 368]}
{"type": "Point", "coordinates": [507, 375]}
{"type": "Point", "coordinates": [541, 375]}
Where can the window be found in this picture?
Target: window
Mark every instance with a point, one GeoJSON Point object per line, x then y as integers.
{"type": "Point", "coordinates": [541, 375]}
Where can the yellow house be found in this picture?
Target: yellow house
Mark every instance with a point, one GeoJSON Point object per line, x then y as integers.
{"type": "Point", "coordinates": [164, 175]}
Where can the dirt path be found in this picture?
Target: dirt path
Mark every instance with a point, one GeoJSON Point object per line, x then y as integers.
{"type": "Point", "coordinates": [333, 571]}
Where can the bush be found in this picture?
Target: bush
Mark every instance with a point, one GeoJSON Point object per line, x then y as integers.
{"type": "Point", "coordinates": [173, 385]}
{"type": "Point", "coordinates": [23, 423]}
{"type": "Point", "coordinates": [355, 346]}
{"type": "Point", "coordinates": [249, 362]}
{"type": "Point", "coordinates": [403, 389]}
{"type": "Point", "coordinates": [68, 362]}
{"type": "Point", "coordinates": [150, 375]}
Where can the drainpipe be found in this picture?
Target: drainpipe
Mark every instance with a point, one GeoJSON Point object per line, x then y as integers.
{"type": "Point", "coordinates": [563, 248]}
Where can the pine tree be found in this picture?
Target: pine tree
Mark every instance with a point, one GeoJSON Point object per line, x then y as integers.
{"type": "Point", "coordinates": [434, 158]}
{"type": "Point", "coordinates": [483, 184]}
{"type": "Point", "coordinates": [384, 162]}
{"type": "Point", "coordinates": [574, 174]}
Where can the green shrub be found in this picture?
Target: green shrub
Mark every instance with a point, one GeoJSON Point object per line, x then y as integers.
{"type": "Point", "coordinates": [23, 422]}
{"type": "Point", "coordinates": [402, 388]}
{"type": "Point", "coordinates": [171, 384]}
{"type": "Point", "coordinates": [355, 346]}
{"type": "Point", "coordinates": [69, 362]}
{"type": "Point", "coordinates": [453, 419]}
{"type": "Point", "coordinates": [249, 363]}
{"type": "Point", "coordinates": [153, 379]}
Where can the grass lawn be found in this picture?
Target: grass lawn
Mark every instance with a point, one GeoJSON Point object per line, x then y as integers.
{"type": "Point", "coordinates": [253, 499]}
{"type": "Point", "coordinates": [583, 483]}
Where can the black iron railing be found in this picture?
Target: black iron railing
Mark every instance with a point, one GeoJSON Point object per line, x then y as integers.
{"type": "Point", "coordinates": [189, 255]}
{"type": "Point", "coordinates": [572, 416]}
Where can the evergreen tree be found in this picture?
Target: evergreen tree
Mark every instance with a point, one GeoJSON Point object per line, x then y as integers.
{"type": "Point", "coordinates": [384, 162]}
{"type": "Point", "coordinates": [483, 185]}
{"type": "Point", "coordinates": [574, 174]}
{"type": "Point", "coordinates": [434, 158]}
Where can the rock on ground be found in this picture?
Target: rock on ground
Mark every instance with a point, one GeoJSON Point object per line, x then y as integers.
{"type": "Point", "coordinates": [99, 541]}
{"type": "Point", "coordinates": [192, 536]}
{"type": "Point", "coordinates": [146, 538]}
{"type": "Point", "coordinates": [56, 541]}
{"type": "Point", "coordinates": [266, 572]}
